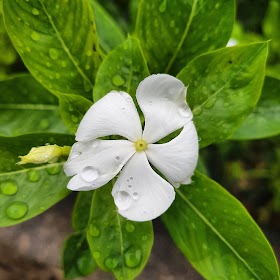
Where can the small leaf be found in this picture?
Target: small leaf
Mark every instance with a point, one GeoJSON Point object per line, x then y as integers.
{"type": "Point", "coordinates": [81, 211]}
{"type": "Point", "coordinates": [217, 235]}
{"type": "Point", "coordinates": [27, 107]}
{"type": "Point", "coordinates": [122, 70]}
{"type": "Point", "coordinates": [72, 109]}
{"type": "Point", "coordinates": [109, 33]}
{"type": "Point", "coordinates": [77, 258]}
{"type": "Point", "coordinates": [264, 121]}
{"type": "Point", "coordinates": [118, 245]}
{"type": "Point", "coordinates": [172, 32]}
{"type": "Point", "coordinates": [28, 190]}
{"type": "Point", "coordinates": [223, 89]}
{"type": "Point", "coordinates": [59, 51]}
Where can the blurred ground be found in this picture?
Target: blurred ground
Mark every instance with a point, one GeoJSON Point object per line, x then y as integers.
{"type": "Point", "coordinates": [32, 250]}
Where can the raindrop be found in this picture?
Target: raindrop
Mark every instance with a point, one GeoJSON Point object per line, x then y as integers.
{"type": "Point", "coordinates": [89, 174]}
{"type": "Point", "coordinates": [133, 257]}
{"type": "Point", "coordinates": [16, 210]}
{"type": "Point", "coordinates": [9, 187]}
{"type": "Point", "coordinates": [35, 36]}
{"type": "Point", "coordinates": [217, 5]}
{"type": "Point", "coordinates": [96, 254]}
{"type": "Point", "coordinates": [131, 178]}
{"type": "Point", "coordinates": [123, 200]}
{"type": "Point", "coordinates": [53, 170]}
{"type": "Point", "coordinates": [63, 63]}
{"type": "Point", "coordinates": [87, 66]}
{"type": "Point", "coordinates": [85, 263]}
{"type": "Point", "coordinates": [226, 104]}
{"type": "Point", "coordinates": [44, 124]}
{"type": "Point", "coordinates": [117, 158]}
{"type": "Point", "coordinates": [93, 231]}
{"type": "Point", "coordinates": [162, 7]}
{"type": "Point", "coordinates": [128, 99]}
{"type": "Point", "coordinates": [117, 80]}
{"type": "Point", "coordinates": [33, 175]}
{"type": "Point", "coordinates": [129, 186]}
{"type": "Point", "coordinates": [172, 23]}
{"type": "Point", "coordinates": [53, 53]}
{"type": "Point", "coordinates": [210, 102]}
{"type": "Point", "coordinates": [135, 195]}
{"type": "Point", "coordinates": [74, 119]}
{"type": "Point", "coordinates": [129, 226]}
{"type": "Point", "coordinates": [197, 110]}
{"type": "Point", "coordinates": [144, 237]}
{"type": "Point", "coordinates": [35, 12]}
{"type": "Point", "coordinates": [111, 263]}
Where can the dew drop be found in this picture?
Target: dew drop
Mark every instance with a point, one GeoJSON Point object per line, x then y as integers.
{"type": "Point", "coordinates": [96, 254]}
{"type": "Point", "coordinates": [118, 80]}
{"type": "Point", "coordinates": [33, 175]}
{"type": "Point", "coordinates": [123, 200]}
{"type": "Point", "coordinates": [35, 12]}
{"type": "Point", "coordinates": [144, 237]}
{"type": "Point", "coordinates": [44, 124]}
{"type": "Point", "coordinates": [210, 103]}
{"type": "Point", "coordinates": [53, 170]}
{"type": "Point", "coordinates": [123, 109]}
{"type": "Point", "coordinates": [53, 53]}
{"type": "Point", "coordinates": [74, 119]}
{"type": "Point", "coordinates": [128, 99]}
{"type": "Point", "coordinates": [135, 195]}
{"type": "Point", "coordinates": [197, 111]}
{"type": "Point", "coordinates": [85, 263]}
{"type": "Point", "coordinates": [93, 231]}
{"type": "Point", "coordinates": [111, 263]}
{"type": "Point", "coordinates": [17, 210]}
{"type": "Point", "coordinates": [117, 158]}
{"type": "Point", "coordinates": [131, 178]}
{"type": "Point", "coordinates": [8, 187]}
{"type": "Point", "coordinates": [133, 257]}
{"type": "Point", "coordinates": [63, 63]}
{"type": "Point", "coordinates": [129, 186]}
{"type": "Point", "coordinates": [89, 174]}
{"type": "Point", "coordinates": [129, 226]}
{"type": "Point", "coordinates": [35, 36]}
{"type": "Point", "coordinates": [226, 104]}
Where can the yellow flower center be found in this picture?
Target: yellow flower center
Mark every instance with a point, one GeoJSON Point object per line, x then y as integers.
{"type": "Point", "coordinates": [140, 145]}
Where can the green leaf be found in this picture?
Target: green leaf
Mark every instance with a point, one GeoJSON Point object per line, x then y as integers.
{"type": "Point", "coordinates": [27, 107]}
{"type": "Point", "coordinates": [122, 70]}
{"type": "Point", "coordinates": [119, 246]}
{"type": "Point", "coordinates": [174, 32]}
{"type": "Point", "coordinates": [264, 121]}
{"type": "Point", "coordinates": [77, 258]}
{"type": "Point", "coordinates": [109, 33]}
{"type": "Point", "coordinates": [217, 235]}
{"type": "Point", "coordinates": [28, 190]}
{"type": "Point", "coordinates": [81, 211]}
{"type": "Point", "coordinates": [72, 109]}
{"type": "Point", "coordinates": [223, 89]}
{"type": "Point", "coordinates": [57, 41]}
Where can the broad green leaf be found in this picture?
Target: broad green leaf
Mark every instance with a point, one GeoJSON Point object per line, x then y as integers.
{"type": "Point", "coordinates": [77, 257]}
{"type": "Point", "coordinates": [119, 246]}
{"type": "Point", "coordinates": [72, 109]}
{"type": "Point", "coordinates": [122, 70]}
{"type": "Point", "coordinates": [28, 190]}
{"type": "Point", "coordinates": [81, 211]}
{"type": "Point", "coordinates": [217, 235]}
{"type": "Point", "coordinates": [264, 121]}
{"type": "Point", "coordinates": [109, 33]}
{"type": "Point", "coordinates": [27, 107]}
{"type": "Point", "coordinates": [223, 89]}
{"type": "Point", "coordinates": [174, 32]}
{"type": "Point", "coordinates": [57, 41]}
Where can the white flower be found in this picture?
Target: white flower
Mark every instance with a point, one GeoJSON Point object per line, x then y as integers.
{"type": "Point", "coordinates": [140, 194]}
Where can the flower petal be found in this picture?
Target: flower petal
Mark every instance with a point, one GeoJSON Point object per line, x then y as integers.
{"type": "Point", "coordinates": [96, 162]}
{"type": "Point", "coordinates": [177, 159]}
{"type": "Point", "coordinates": [162, 99]}
{"type": "Point", "coordinates": [140, 193]}
{"type": "Point", "coordinates": [114, 114]}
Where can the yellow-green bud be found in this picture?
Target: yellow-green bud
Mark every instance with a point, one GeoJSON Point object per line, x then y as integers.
{"type": "Point", "coordinates": [44, 154]}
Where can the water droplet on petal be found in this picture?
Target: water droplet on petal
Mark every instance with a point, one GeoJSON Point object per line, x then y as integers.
{"type": "Point", "coordinates": [33, 175]}
{"type": "Point", "coordinates": [111, 263]}
{"type": "Point", "coordinates": [135, 195]}
{"type": "Point", "coordinates": [129, 186]}
{"type": "Point", "coordinates": [17, 210]}
{"type": "Point", "coordinates": [118, 80]}
{"type": "Point", "coordinates": [117, 158]}
{"type": "Point", "coordinates": [129, 226]}
{"type": "Point", "coordinates": [89, 174]}
{"type": "Point", "coordinates": [128, 99]}
{"type": "Point", "coordinates": [9, 187]}
{"type": "Point", "coordinates": [131, 178]}
{"type": "Point", "coordinates": [122, 200]}
{"type": "Point", "coordinates": [35, 12]}
{"type": "Point", "coordinates": [93, 231]}
{"type": "Point", "coordinates": [133, 257]}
